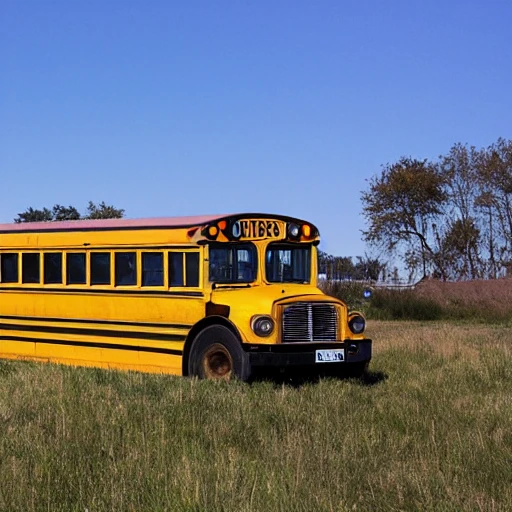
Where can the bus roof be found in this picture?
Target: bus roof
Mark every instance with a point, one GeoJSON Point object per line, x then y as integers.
{"type": "Point", "coordinates": [115, 224]}
{"type": "Point", "coordinates": [108, 224]}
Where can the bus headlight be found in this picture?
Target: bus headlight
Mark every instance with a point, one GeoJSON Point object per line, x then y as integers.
{"type": "Point", "coordinates": [262, 325]}
{"type": "Point", "coordinates": [356, 323]}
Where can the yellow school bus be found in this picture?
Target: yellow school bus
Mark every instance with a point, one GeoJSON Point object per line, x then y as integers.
{"type": "Point", "coordinates": [215, 297]}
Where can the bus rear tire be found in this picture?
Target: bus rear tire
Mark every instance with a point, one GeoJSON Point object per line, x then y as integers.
{"type": "Point", "coordinates": [216, 354]}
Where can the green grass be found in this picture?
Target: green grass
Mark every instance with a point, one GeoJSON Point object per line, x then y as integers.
{"type": "Point", "coordinates": [428, 430]}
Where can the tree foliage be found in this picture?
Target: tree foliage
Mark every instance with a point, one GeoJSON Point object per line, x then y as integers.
{"type": "Point", "coordinates": [451, 218]}
{"type": "Point", "coordinates": [65, 213]}
{"type": "Point", "coordinates": [402, 204]}
{"type": "Point", "coordinates": [60, 213]}
{"type": "Point", "coordinates": [103, 211]}
{"type": "Point", "coordinates": [33, 215]}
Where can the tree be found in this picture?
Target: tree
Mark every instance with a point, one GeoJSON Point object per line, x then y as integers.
{"type": "Point", "coordinates": [65, 213]}
{"type": "Point", "coordinates": [461, 237]}
{"type": "Point", "coordinates": [103, 211]}
{"type": "Point", "coordinates": [460, 248]}
{"type": "Point", "coordinates": [368, 268]}
{"type": "Point", "coordinates": [31, 215]}
{"type": "Point", "coordinates": [60, 213]}
{"type": "Point", "coordinates": [401, 207]}
{"type": "Point", "coordinates": [478, 228]}
{"type": "Point", "coordinates": [495, 200]}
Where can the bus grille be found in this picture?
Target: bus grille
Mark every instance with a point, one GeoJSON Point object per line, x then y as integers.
{"type": "Point", "coordinates": [310, 321]}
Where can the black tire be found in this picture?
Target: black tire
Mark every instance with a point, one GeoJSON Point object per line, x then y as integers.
{"type": "Point", "coordinates": [216, 354]}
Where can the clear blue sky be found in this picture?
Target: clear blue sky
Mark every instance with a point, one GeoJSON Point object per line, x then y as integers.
{"type": "Point", "coordinates": [191, 107]}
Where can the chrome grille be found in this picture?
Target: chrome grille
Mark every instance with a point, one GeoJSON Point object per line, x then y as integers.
{"type": "Point", "coordinates": [310, 321]}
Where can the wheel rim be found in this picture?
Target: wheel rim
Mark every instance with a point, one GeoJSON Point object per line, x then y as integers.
{"type": "Point", "coordinates": [217, 362]}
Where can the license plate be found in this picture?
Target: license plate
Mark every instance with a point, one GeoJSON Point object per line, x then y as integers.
{"type": "Point", "coordinates": [332, 355]}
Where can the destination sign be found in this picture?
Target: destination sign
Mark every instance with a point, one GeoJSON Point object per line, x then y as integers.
{"type": "Point", "coordinates": [241, 229]}
{"type": "Point", "coordinates": [250, 229]}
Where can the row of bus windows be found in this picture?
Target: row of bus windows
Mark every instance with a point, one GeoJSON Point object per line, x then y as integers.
{"type": "Point", "coordinates": [183, 268]}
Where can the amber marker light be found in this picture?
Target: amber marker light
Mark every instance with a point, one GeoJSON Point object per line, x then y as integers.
{"type": "Point", "coordinates": [212, 230]}
{"type": "Point", "coordinates": [306, 230]}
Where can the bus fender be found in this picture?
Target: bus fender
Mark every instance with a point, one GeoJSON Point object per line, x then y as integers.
{"type": "Point", "coordinates": [198, 327]}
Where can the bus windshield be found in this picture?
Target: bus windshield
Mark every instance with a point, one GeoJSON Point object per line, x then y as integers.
{"type": "Point", "coordinates": [233, 263]}
{"type": "Point", "coordinates": [286, 263]}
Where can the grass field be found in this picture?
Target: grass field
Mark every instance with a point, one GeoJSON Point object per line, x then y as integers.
{"type": "Point", "coordinates": [429, 429]}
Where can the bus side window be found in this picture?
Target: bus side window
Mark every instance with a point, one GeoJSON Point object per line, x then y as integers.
{"type": "Point", "coordinates": [9, 267]}
{"type": "Point", "coordinates": [52, 266]}
{"type": "Point", "coordinates": [126, 268]}
{"type": "Point", "coordinates": [75, 268]}
{"type": "Point", "coordinates": [30, 271]}
{"type": "Point", "coordinates": [184, 273]}
{"type": "Point", "coordinates": [192, 269]}
{"type": "Point", "coordinates": [100, 268]}
{"type": "Point", "coordinates": [152, 269]}
{"type": "Point", "coordinates": [176, 269]}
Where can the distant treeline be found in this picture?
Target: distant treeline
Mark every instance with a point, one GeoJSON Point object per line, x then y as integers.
{"type": "Point", "coordinates": [343, 268]}
{"type": "Point", "coordinates": [59, 213]}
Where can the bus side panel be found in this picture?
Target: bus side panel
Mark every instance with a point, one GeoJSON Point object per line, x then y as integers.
{"type": "Point", "coordinates": [115, 330]}
{"type": "Point", "coordinates": [90, 357]}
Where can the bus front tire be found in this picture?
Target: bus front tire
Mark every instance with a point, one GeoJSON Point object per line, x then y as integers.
{"type": "Point", "coordinates": [216, 354]}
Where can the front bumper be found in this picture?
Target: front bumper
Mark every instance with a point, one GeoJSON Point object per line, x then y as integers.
{"type": "Point", "coordinates": [303, 354]}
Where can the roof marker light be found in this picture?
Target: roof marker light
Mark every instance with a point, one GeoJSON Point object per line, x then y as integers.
{"type": "Point", "coordinates": [293, 230]}
{"type": "Point", "coordinates": [236, 230]}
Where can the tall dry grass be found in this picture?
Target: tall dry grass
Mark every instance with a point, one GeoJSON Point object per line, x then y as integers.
{"type": "Point", "coordinates": [429, 429]}
{"type": "Point", "coordinates": [489, 300]}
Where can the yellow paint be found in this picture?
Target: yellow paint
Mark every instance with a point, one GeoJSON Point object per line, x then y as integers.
{"type": "Point", "coordinates": [137, 327]}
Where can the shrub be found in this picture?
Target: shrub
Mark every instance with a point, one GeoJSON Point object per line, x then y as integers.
{"type": "Point", "coordinates": [350, 292]}
{"type": "Point", "coordinates": [403, 305]}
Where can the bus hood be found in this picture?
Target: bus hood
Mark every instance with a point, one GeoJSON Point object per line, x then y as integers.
{"type": "Point", "coordinates": [260, 299]}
